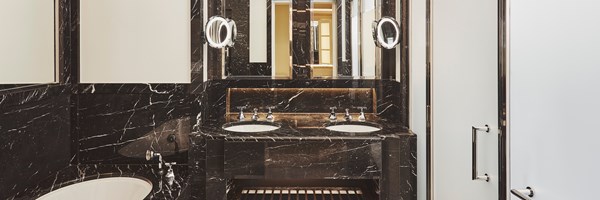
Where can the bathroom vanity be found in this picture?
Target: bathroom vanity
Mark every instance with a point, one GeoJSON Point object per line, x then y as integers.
{"type": "Point", "coordinates": [302, 156]}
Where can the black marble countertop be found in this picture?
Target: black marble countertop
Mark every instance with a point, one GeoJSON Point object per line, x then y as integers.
{"type": "Point", "coordinates": [289, 132]}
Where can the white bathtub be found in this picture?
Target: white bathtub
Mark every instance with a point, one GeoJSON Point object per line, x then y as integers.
{"type": "Point", "coordinates": [115, 188]}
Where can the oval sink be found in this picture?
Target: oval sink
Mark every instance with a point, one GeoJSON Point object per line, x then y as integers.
{"type": "Point", "coordinates": [353, 127]}
{"type": "Point", "coordinates": [125, 188]}
{"type": "Point", "coordinates": [251, 126]}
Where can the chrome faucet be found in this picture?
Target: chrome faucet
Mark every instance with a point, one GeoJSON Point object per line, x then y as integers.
{"type": "Point", "coordinates": [241, 116]}
{"type": "Point", "coordinates": [170, 176]}
{"type": "Point", "coordinates": [332, 116]}
{"type": "Point", "coordinates": [270, 117]}
{"type": "Point", "coordinates": [151, 155]}
{"type": "Point", "coordinates": [255, 115]}
{"type": "Point", "coordinates": [361, 117]}
{"type": "Point", "coordinates": [347, 116]}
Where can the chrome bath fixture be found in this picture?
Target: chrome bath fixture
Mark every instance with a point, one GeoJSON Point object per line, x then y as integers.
{"type": "Point", "coordinates": [170, 175]}
{"type": "Point", "coordinates": [151, 155]}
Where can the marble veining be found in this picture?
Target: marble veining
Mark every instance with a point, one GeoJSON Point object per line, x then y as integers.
{"type": "Point", "coordinates": [55, 135]}
{"type": "Point", "coordinates": [119, 128]}
{"type": "Point", "coordinates": [221, 158]}
{"type": "Point", "coordinates": [238, 59]}
{"type": "Point", "coordinates": [344, 65]}
{"type": "Point", "coordinates": [301, 15]}
{"type": "Point", "coordinates": [34, 136]}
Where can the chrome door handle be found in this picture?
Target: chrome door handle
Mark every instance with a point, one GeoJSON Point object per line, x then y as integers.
{"type": "Point", "coordinates": [474, 174]}
{"type": "Point", "coordinates": [525, 194]}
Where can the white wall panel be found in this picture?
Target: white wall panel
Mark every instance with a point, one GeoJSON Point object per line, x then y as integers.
{"type": "Point", "coordinates": [464, 94]}
{"type": "Point", "coordinates": [135, 41]}
{"type": "Point", "coordinates": [418, 109]}
{"type": "Point", "coordinates": [555, 97]}
{"type": "Point", "coordinates": [27, 34]}
{"type": "Point", "coordinates": [258, 31]}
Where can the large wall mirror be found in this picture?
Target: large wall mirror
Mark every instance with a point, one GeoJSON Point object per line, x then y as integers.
{"type": "Point", "coordinates": [304, 39]}
{"type": "Point", "coordinates": [27, 43]}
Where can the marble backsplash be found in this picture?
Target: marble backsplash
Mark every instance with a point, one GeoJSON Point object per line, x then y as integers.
{"type": "Point", "coordinates": [118, 128]}
{"type": "Point", "coordinates": [35, 136]}
{"type": "Point", "coordinates": [46, 130]}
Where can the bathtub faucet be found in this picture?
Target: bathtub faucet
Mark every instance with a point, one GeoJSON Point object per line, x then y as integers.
{"type": "Point", "coordinates": [170, 175]}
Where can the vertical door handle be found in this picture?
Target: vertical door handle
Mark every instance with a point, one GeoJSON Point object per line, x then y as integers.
{"type": "Point", "coordinates": [525, 194]}
{"type": "Point", "coordinates": [475, 175]}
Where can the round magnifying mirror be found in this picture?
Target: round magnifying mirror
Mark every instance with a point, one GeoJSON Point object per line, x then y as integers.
{"type": "Point", "coordinates": [220, 32]}
{"type": "Point", "coordinates": [386, 32]}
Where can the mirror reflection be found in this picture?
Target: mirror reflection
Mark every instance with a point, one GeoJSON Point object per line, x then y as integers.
{"type": "Point", "coordinates": [322, 40]}
{"type": "Point", "coordinates": [346, 40]}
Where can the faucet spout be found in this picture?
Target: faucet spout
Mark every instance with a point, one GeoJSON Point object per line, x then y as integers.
{"type": "Point", "coordinates": [255, 115]}
{"type": "Point", "coordinates": [241, 116]}
{"type": "Point", "coordinates": [270, 117]}
{"type": "Point", "coordinates": [361, 117]}
{"type": "Point", "coordinates": [347, 116]}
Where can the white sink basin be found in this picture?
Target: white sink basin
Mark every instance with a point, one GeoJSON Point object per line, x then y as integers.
{"type": "Point", "coordinates": [119, 188]}
{"type": "Point", "coordinates": [251, 127]}
{"type": "Point", "coordinates": [353, 127]}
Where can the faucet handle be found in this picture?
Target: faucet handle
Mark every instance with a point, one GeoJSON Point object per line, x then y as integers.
{"type": "Point", "coordinates": [151, 154]}
{"type": "Point", "coordinates": [361, 117]}
{"type": "Point", "coordinates": [241, 108]}
{"type": "Point", "coordinates": [170, 164]}
{"type": "Point", "coordinates": [270, 108]}
{"type": "Point", "coordinates": [332, 109]}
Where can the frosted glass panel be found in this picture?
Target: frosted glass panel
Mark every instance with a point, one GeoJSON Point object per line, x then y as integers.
{"type": "Point", "coordinates": [27, 42]}
{"type": "Point", "coordinates": [135, 41]}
